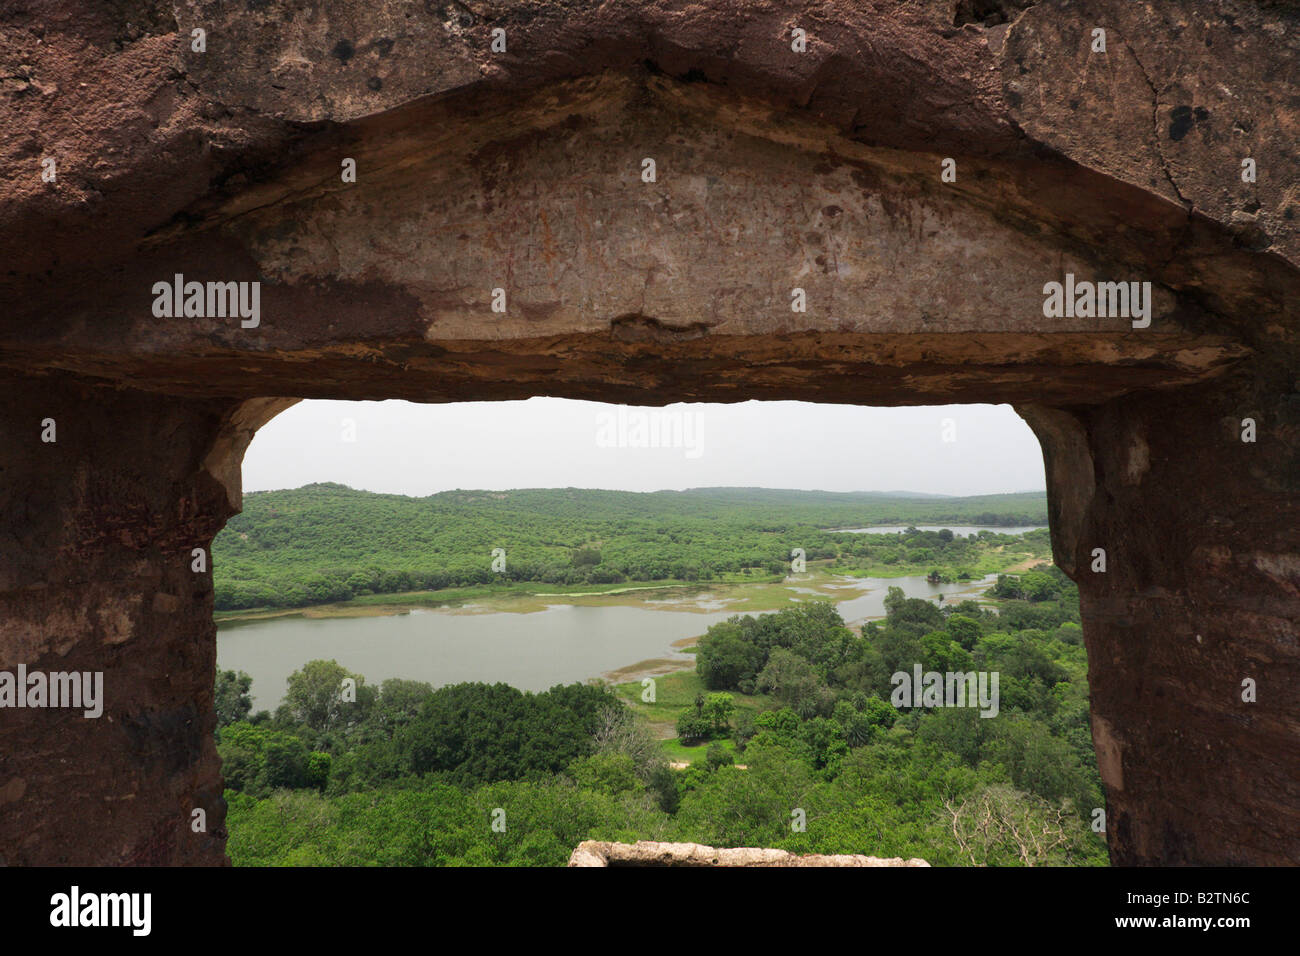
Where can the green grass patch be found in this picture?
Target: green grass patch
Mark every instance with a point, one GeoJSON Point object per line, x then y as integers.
{"type": "Point", "coordinates": [674, 694]}
{"type": "Point", "coordinates": [677, 752]}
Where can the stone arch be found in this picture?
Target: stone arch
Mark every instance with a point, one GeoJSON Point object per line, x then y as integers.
{"type": "Point", "coordinates": [774, 171]}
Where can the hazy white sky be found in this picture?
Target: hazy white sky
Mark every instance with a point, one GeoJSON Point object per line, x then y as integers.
{"type": "Point", "coordinates": [410, 449]}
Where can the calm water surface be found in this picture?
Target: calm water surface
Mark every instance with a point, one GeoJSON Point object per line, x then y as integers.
{"type": "Point", "coordinates": [533, 651]}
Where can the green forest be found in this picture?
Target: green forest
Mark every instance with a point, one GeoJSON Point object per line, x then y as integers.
{"type": "Point", "coordinates": [786, 725]}
{"type": "Point", "coordinates": [327, 543]}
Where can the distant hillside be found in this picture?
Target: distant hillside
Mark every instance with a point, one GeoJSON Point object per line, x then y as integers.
{"type": "Point", "coordinates": [327, 542]}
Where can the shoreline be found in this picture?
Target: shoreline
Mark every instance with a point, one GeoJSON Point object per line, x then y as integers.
{"type": "Point", "coordinates": [678, 656]}
{"type": "Point", "coordinates": [767, 594]}
{"type": "Point", "coordinates": [742, 596]}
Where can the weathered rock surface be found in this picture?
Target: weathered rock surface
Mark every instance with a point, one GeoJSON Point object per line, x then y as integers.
{"type": "Point", "coordinates": [649, 853]}
{"type": "Point", "coordinates": [522, 171]}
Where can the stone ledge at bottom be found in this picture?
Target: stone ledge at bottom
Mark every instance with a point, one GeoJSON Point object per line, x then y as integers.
{"type": "Point", "coordinates": [648, 853]}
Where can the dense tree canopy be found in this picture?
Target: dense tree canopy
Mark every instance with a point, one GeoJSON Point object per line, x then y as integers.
{"type": "Point", "coordinates": [410, 775]}
{"type": "Point", "coordinates": [326, 542]}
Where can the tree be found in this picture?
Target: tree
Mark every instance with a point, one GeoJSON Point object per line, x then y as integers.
{"type": "Point", "coordinates": [478, 733]}
{"type": "Point", "coordinates": [317, 771]}
{"type": "Point", "coordinates": [258, 760]}
{"type": "Point", "coordinates": [940, 653]}
{"type": "Point", "coordinates": [717, 710]}
{"type": "Point", "coordinates": [725, 657]}
{"type": "Point", "coordinates": [399, 703]}
{"type": "Point", "coordinates": [795, 683]}
{"type": "Point", "coordinates": [1038, 586]}
{"type": "Point", "coordinates": [718, 756]}
{"type": "Point", "coordinates": [692, 728]}
{"type": "Point", "coordinates": [619, 732]}
{"type": "Point", "coordinates": [913, 611]}
{"type": "Point", "coordinates": [999, 826]}
{"type": "Point", "coordinates": [751, 808]}
{"type": "Point", "coordinates": [232, 698]}
{"type": "Point", "coordinates": [610, 773]}
{"type": "Point", "coordinates": [963, 630]}
{"type": "Point", "coordinates": [663, 786]}
{"type": "Point", "coordinates": [894, 598]}
{"type": "Point", "coordinates": [879, 713]}
{"type": "Point", "coordinates": [826, 743]}
{"type": "Point", "coordinates": [317, 697]}
{"type": "Point", "coordinates": [362, 582]}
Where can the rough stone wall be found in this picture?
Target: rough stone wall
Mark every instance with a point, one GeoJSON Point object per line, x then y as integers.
{"type": "Point", "coordinates": [95, 576]}
{"type": "Point", "coordinates": [1199, 595]}
{"type": "Point", "coordinates": [521, 170]}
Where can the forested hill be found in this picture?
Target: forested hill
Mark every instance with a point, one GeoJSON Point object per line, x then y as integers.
{"type": "Point", "coordinates": [327, 542]}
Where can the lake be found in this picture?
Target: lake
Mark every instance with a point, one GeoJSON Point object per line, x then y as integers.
{"type": "Point", "coordinates": [959, 530]}
{"type": "Point", "coordinates": [532, 651]}
{"type": "Point", "coordinates": [872, 604]}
